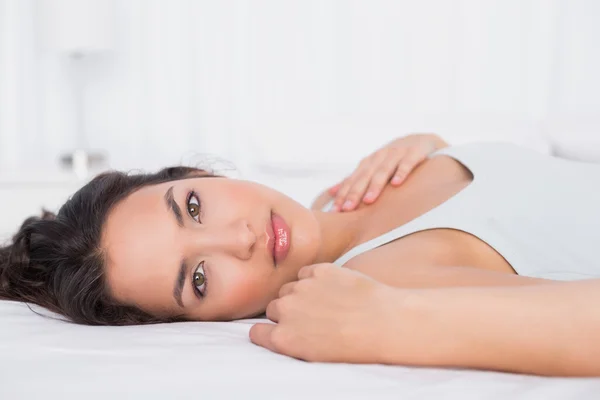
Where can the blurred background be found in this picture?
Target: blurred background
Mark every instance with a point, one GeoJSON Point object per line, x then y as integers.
{"type": "Point", "coordinates": [291, 92]}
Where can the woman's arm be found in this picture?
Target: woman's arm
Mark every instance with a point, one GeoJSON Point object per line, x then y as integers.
{"type": "Point", "coordinates": [550, 329]}
{"type": "Point", "coordinates": [335, 314]}
{"type": "Point", "coordinates": [390, 164]}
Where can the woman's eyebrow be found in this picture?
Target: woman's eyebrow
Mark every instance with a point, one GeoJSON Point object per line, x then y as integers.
{"type": "Point", "coordinates": [173, 206]}
{"type": "Point", "coordinates": [179, 283]}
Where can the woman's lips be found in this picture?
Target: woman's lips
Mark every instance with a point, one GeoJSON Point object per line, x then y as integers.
{"type": "Point", "coordinates": [279, 238]}
{"type": "Point", "coordinates": [271, 238]}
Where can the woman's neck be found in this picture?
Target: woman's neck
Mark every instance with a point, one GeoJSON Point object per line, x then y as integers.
{"type": "Point", "coordinates": [339, 233]}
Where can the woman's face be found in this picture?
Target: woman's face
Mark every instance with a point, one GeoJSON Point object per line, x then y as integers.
{"type": "Point", "coordinates": [199, 248]}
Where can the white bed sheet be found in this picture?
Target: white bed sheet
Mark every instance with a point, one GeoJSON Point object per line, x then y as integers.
{"type": "Point", "coordinates": [50, 359]}
{"type": "Point", "coordinates": [46, 358]}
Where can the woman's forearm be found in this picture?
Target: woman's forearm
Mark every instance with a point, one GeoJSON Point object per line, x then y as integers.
{"type": "Point", "coordinates": [551, 329]}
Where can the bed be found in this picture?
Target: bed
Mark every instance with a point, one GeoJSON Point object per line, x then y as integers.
{"type": "Point", "coordinates": [44, 357]}
{"type": "Point", "coordinates": [47, 358]}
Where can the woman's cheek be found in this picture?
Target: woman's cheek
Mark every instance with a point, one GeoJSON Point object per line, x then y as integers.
{"type": "Point", "coordinates": [245, 293]}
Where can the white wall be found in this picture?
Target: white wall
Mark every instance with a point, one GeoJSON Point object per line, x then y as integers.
{"type": "Point", "coordinates": [262, 82]}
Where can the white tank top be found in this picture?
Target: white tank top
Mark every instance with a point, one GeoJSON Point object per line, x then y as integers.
{"type": "Point", "coordinates": [541, 213]}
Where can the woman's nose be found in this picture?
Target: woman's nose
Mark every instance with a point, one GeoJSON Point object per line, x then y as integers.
{"type": "Point", "coordinates": [236, 239]}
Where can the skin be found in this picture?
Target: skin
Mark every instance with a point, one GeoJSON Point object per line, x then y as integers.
{"type": "Point", "coordinates": [338, 315]}
{"type": "Point", "coordinates": [144, 246]}
{"type": "Point", "coordinates": [430, 309]}
{"type": "Point", "coordinates": [391, 165]}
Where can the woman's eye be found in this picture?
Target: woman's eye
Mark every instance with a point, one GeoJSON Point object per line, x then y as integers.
{"type": "Point", "coordinates": [193, 206]}
{"type": "Point", "coordinates": [199, 279]}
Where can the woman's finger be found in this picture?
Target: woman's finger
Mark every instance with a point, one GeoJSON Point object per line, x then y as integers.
{"type": "Point", "coordinates": [362, 177]}
{"type": "Point", "coordinates": [342, 192]}
{"type": "Point", "coordinates": [334, 189]}
{"type": "Point", "coordinates": [349, 182]}
{"type": "Point", "coordinates": [379, 179]}
{"type": "Point", "coordinates": [273, 312]}
{"type": "Point", "coordinates": [287, 289]}
{"type": "Point", "coordinates": [306, 271]}
{"type": "Point", "coordinates": [406, 165]}
{"type": "Point", "coordinates": [358, 188]}
{"type": "Point", "coordinates": [342, 188]}
{"type": "Point", "coordinates": [260, 334]}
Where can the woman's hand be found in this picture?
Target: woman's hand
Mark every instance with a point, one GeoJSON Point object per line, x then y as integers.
{"type": "Point", "coordinates": [331, 314]}
{"type": "Point", "coordinates": [392, 163]}
{"type": "Point", "coordinates": [339, 315]}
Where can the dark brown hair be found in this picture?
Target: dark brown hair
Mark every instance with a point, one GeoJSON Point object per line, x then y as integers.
{"type": "Point", "coordinates": [55, 261]}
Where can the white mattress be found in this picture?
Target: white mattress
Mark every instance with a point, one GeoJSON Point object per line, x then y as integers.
{"type": "Point", "coordinates": [46, 358]}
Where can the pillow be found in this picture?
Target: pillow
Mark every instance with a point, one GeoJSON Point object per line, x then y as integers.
{"type": "Point", "coordinates": [339, 143]}
{"type": "Point", "coordinates": [575, 137]}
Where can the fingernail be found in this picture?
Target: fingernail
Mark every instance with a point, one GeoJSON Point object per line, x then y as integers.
{"type": "Point", "coordinates": [369, 196]}
{"type": "Point", "coordinates": [347, 205]}
{"type": "Point", "coordinates": [396, 180]}
{"type": "Point", "coordinates": [335, 208]}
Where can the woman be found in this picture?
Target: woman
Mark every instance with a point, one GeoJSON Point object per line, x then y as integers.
{"type": "Point", "coordinates": [455, 267]}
